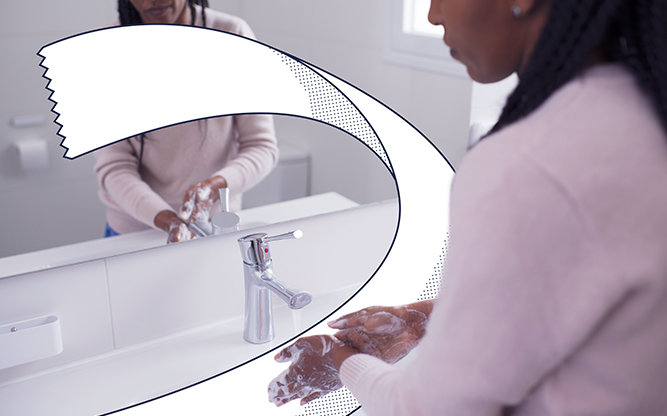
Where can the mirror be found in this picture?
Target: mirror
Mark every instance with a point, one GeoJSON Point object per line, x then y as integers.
{"type": "Point", "coordinates": [58, 204]}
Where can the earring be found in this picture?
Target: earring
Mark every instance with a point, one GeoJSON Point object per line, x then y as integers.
{"type": "Point", "coordinates": [516, 11]}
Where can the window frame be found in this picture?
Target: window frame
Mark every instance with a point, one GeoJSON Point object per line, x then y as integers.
{"type": "Point", "coordinates": [415, 50]}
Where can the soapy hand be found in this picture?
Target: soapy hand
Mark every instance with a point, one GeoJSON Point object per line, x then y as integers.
{"type": "Point", "coordinates": [176, 229]}
{"type": "Point", "coordinates": [312, 373]}
{"type": "Point", "coordinates": [386, 332]}
{"type": "Point", "coordinates": [179, 232]}
{"type": "Point", "coordinates": [199, 199]}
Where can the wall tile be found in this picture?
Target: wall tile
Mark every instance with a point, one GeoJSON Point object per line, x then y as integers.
{"type": "Point", "coordinates": [364, 68]}
{"type": "Point", "coordinates": [233, 7]}
{"type": "Point", "coordinates": [77, 295]}
{"type": "Point", "coordinates": [68, 17]}
{"type": "Point", "coordinates": [345, 165]}
{"type": "Point", "coordinates": [349, 22]}
{"type": "Point", "coordinates": [287, 16]}
{"type": "Point", "coordinates": [440, 109]}
{"type": "Point", "coordinates": [22, 76]}
{"type": "Point", "coordinates": [295, 45]}
{"type": "Point", "coordinates": [173, 288]}
{"type": "Point", "coordinates": [51, 216]}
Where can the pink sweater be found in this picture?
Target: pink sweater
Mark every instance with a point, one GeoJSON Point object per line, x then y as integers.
{"type": "Point", "coordinates": [242, 149]}
{"type": "Point", "coordinates": [555, 297]}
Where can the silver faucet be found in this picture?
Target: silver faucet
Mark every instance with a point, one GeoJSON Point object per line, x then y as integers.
{"type": "Point", "coordinates": [260, 281]}
{"type": "Point", "coordinates": [222, 223]}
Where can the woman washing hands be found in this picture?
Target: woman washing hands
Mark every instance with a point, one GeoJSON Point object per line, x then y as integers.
{"type": "Point", "coordinates": [387, 333]}
{"type": "Point", "coordinates": [169, 178]}
{"type": "Point", "coordinates": [554, 301]}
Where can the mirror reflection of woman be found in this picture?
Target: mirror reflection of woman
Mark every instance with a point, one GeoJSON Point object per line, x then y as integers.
{"type": "Point", "coordinates": [170, 177]}
{"type": "Point", "coordinates": [554, 299]}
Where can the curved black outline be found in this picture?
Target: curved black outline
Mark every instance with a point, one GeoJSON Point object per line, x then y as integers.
{"type": "Point", "coordinates": [310, 66]}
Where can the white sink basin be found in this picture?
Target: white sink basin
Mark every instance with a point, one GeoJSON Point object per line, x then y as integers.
{"type": "Point", "coordinates": [132, 374]}
{"type": "Point", "coordinates": [135, 375]}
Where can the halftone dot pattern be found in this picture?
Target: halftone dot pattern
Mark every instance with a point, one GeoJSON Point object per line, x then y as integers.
{"type": "Point", "coordinates": [433, 285]}
{"type": "Point", "coordinates": [342, 401]}
{"type": "Point", "coordinates": [330, 106]}
{"type": "Point", "coordinates": [337, 403]}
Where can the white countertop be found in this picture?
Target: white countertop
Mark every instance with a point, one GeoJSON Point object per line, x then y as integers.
{"type": "Point", "coordinates": [137, 373]}
{"type": "Point", "coordinates": [152, 369]}
{"type": "Point", "coordinates": [107, 247]}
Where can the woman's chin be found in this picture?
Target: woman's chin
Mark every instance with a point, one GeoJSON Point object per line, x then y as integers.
{"type": "Point", "coordinates": [484, 78]}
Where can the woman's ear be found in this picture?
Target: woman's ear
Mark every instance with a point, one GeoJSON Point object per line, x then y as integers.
{"type": "Point", "coordinates": [526, 8]}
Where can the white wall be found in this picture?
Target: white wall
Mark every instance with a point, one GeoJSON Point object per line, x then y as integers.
{"type": "Point", "coordinates": [487, 104]}
{"type": "Point", "coordinates": [59, 205]}
{"type": "Point", "coordinates": [345, 37]}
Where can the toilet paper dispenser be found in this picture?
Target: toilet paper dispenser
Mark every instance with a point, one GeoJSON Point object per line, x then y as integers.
{"type": "Point", "coordinates": [32, 153]}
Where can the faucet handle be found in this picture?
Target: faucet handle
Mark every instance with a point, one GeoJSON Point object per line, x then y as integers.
{"type": "Point", "coordinates": [224, 199]}
{"type": "Point", "coordinates": [285, 236]}
{"type": "Point", "coordinates": [255, 247]}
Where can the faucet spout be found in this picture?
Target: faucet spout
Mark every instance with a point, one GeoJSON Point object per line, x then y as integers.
{"type": "Point", "coordinates": [294, 297]}
{"type": "Point", "coordinates": [260, 281]}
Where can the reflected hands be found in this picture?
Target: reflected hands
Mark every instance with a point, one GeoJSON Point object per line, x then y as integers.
{"type": "Point", "coordinates": [312, 374]}
{"type": "Point", "coordinates": [197, 203]}
{"type": "Point", "coordinates": [176, 229]}
{"type": "Point", "coordinates": [386, 332]}
{"type": "Point", "coordinates": [179, 232]}
{"type": "Point", "coordinates": [199, 199]}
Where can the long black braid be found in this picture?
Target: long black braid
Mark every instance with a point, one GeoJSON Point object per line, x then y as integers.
{"type": "Point", "coordinates": [129, 15]}
{"type": "Point", "coordinates": [632, 32]}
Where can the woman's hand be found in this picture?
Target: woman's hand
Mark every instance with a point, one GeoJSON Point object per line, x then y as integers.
{"type": "Point", "coordinates": [199, 199]}
{"type": "Point", "coordinates": [386, 332]}
{"type": "Point", "coordinates": [174, 226]}
{"type": "Point", "coordinates": [313, 372]}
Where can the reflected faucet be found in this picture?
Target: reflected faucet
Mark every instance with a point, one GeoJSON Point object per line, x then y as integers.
{"type": "Point", "coordinates": [260, 281]}
{"type": "Point", "coordinates": [222, 223]}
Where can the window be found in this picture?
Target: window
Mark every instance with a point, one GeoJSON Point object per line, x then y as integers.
{"type": "Point", "coordinates": [410, 40]}
{"type": "Point", "coordinates": [415, 21]}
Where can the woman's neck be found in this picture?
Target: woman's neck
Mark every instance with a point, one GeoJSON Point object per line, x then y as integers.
{"type": "Point", "coordinates": [185, 18]}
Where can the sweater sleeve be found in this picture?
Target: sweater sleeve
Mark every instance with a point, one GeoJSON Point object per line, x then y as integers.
{"type": "Point", "coordinates": [257, 153]}
{"type": "Point", "coordinates": [117, 173]}
{"type": "Point", "coordinates": [526, 284]}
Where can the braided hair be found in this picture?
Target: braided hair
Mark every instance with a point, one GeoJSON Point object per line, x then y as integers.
{"type": "Point", "coordinates": [129, 15]}
{"type": "Point", "coordinates": [632, 32]}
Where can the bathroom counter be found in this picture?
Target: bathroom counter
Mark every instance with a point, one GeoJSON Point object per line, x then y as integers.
{"type": "Point", "coordinates": [145, 371]}
{"type": "Point", "coordinates": [159, 322]}
{"type": "Point", "coordinates": [107, 247]}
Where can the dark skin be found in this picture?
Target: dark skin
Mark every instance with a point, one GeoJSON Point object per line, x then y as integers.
{"type": "Point", "coordinates": [386, 332]}
{"type": "Point", "coordinates": [311, 374]}
{"type": "Point", "coordinates": [493, 43]}
{"type": "Point", "coordinates": [486, 37]}
{"type": "Point", "coordinates": [196, 205]}
{"type": "Point", "coordinates": [163, 11]}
